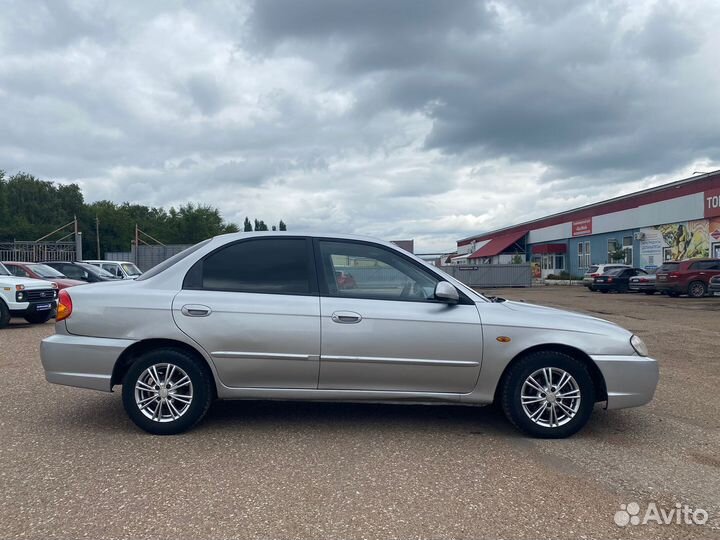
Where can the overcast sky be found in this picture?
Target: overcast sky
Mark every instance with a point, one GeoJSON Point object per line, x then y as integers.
{"type": "Point", "coordinates": [431, 120]}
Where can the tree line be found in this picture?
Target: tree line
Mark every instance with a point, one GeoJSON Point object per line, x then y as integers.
{"type": "Point", "coordinates": [30, 208]}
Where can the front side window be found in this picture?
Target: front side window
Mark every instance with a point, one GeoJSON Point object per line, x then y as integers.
{"type": "Point", "coordinates": [268, 265]}
{"type": "Point", "coordinates": [357, 270]}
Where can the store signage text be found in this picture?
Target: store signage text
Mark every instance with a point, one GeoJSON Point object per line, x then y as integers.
{"type": "Point", "coordinates": [582, 227]}
{"type": "Point", "coordinates": [712, 203]}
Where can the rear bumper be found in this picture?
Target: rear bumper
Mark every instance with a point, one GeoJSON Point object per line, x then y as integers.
{"type": "Point", "coordinates": [672, 287]}
{"type": "Point", "coordinates": [85, 362]}
{"type": "Point", "coordinates": [630, 380]}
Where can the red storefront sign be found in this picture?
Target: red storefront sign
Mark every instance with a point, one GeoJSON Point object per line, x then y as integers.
{"type": "Point", "coordinates": [582, 227]}
{"type": "Point", "coordinates": [712, 203]}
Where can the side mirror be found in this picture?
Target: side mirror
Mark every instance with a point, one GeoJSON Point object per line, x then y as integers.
{"type": "Point", "coordinates": [445, 292]}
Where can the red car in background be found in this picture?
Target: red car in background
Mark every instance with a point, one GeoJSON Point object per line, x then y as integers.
{"type": "Point", "coordinates": [690, 277]}
{"type": "Point", "coordinates": [41, 271]}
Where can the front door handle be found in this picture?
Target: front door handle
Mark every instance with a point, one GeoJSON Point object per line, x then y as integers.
{"type": "Point", "coordinates": [195, 310]}
{"type": "Point", "coordinates": [346, 317]}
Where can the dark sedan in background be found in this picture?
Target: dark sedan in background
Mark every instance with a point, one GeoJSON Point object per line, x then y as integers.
{"type": "Point", "coordinates": [617, 279]}
{"type": "Point", "coordinates": [82, 271]}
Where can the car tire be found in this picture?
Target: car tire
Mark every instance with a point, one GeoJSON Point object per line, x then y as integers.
{"type": "Point", "coordinates": [604, 291]}
{"type": "Point", "coordinates": [571, 413]}
{"type": "Point", "coordinates": [4, 314]}
{"type": "Point", "coordinates": [673, 294]}
{"type": "Point", "coordinates": [39, 318]}
{"type": "Point", "coordinates": [149, 398]}
{"type": "Point", "coordinates": [591, 288]}
{"type": "Point", "coordinates": [697, 289]}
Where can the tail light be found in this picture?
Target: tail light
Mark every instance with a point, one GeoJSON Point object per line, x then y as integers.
{"type": "Point", "coordinates": [64, 309]}
{"type": "Point", "coordinates": [610, 280]}
{"type": "Point", "coordinates": [594, 275]}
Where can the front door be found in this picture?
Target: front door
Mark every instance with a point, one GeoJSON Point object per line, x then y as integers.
{"type": "Point", "coordinates": [253, 306]}
{"type": "Point", "coordinates": [382, 329]}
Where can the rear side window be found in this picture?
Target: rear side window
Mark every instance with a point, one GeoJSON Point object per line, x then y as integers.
{"type": "Point", "coordinates": [272, 265]}
{"type": "Point", "coordinates": [592, 269]}
{"type": "Point", "coordinates": [669, 267]}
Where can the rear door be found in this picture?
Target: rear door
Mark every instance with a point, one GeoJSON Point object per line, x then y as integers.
{"type": "Point", "coordinates": [253, 306]}
{"type": "Point", "coordinates": [386, 332]}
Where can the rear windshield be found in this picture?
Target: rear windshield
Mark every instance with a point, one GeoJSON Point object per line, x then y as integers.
{"type": "Point", "coordinates": [669, 267]}
{"type": "Point", "coordinates": [155, 270]}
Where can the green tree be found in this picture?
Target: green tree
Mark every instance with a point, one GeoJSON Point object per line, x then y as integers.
{"type": "Point", "coordinates": [282, 226]}
{"type": "Point", "coordinates": [247, 226]}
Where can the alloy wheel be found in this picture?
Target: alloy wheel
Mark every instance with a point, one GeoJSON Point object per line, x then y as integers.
{"type": "Point", "coordinates": [163, 392]}
{"type": "Point", "coordinates": [550, 397]}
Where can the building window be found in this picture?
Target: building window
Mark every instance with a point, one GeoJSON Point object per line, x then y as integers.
{"type": "Point", "coordinates": [581, 256]}
{"type": "Point", "coordinates": [588, 262]}
{"type": "Point", "coordinates": [612, 248]}
{"type": "Point", "coordinates": [559, 262]}
{"type": "Point", "coordinates": [628, 249]}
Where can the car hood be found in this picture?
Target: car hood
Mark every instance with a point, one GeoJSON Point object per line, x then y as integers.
{"type": "Point", "coordinates": [536, 316]}
{"type": "Point", "coordinates": [30, 283]}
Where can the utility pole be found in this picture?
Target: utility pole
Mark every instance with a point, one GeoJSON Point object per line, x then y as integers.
{"type": "Point", "coordinates": [97, 235]}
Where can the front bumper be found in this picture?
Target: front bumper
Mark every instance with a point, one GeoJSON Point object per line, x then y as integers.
{"type": "Point", "coordinates": [630, 380]}
{"type": "Point", "coordinates": [85, 362]}
{"type": "Point", "coordinates": [21, 309]}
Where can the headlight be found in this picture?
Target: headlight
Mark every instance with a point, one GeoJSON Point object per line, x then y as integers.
{"type": "Point", "coordinates": [639, 346]}
{"type": "Point", "coordinates": [20, 296]}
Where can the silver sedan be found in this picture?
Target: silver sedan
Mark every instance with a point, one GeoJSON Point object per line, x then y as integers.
{"type": "Point", "coordinates": [264, 316]}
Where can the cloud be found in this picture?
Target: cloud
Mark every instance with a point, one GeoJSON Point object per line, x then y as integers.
{"type": "Point", "coordinates": [426, 119]}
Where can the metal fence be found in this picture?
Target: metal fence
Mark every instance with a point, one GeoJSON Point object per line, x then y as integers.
{"type": "Point", "coordinates": [145, 257]}
{"type": "Point", "coordinates": [37, 251]}
{"type": "Point", "coordinates": [492, 275]}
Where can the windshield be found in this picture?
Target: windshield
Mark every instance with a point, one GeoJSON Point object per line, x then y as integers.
{"type": "Point", "coordinates": [4, 271]}
{"type": "Point", "coordinates": [155, 270]}
{"type": "Point", "coordinates": [131, 269]}
{"type": "Point", "coordinates": [97, 271]}
{"type": "Point", "coordinates": [45, 271]}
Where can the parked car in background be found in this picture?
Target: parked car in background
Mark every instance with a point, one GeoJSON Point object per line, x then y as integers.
{"type": "Point", "coordinates": [643, 283]}
{"type": "Point", "coordinates": [82, 271]}
{"type": "Point", "coordinates": [714, 286]}
{"type": "Point", "coordinates": [120, 269]}
{"type": "Point", "coordinates": [41, 271]}
{"type": "Point", "coordinates": [31, 299]}
{"type": "Point", "coordinates": [598, 270]}
{"type": "Point", "coordinates": [260, 316]}
{"type": "Point", "coordinates": [617, 279]}
{"type": "Point", "coordinates": [691, 277]}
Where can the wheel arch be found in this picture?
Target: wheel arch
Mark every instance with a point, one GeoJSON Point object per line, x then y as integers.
{"type": "Point", "coordinates": [132, 353]}
{"type": "Point", "coordinates": [594, 371]}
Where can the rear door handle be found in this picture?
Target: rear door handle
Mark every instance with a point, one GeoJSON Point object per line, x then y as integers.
{"type": "Point", "coordinates": [346, 317]}
{"type": "Point", "coordinates": [195, 310]}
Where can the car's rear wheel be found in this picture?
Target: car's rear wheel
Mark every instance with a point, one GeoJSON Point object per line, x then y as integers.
{"type": "Point", "coordinates": [697, 289]}
{"type": "Point", "coordinates": [167, 391]}
{"type": "Point", "coordinates": [38, 318]}
{"type": "Point", "coordinates": [4, 314]}
{"type": "Point", "coordinates": [548, 394]}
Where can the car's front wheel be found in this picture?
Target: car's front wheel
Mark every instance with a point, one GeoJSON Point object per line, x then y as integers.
{"type": "Point", "coordinates": [548, 394]}
{"type": "Point", "coordinates": [167, 391]}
